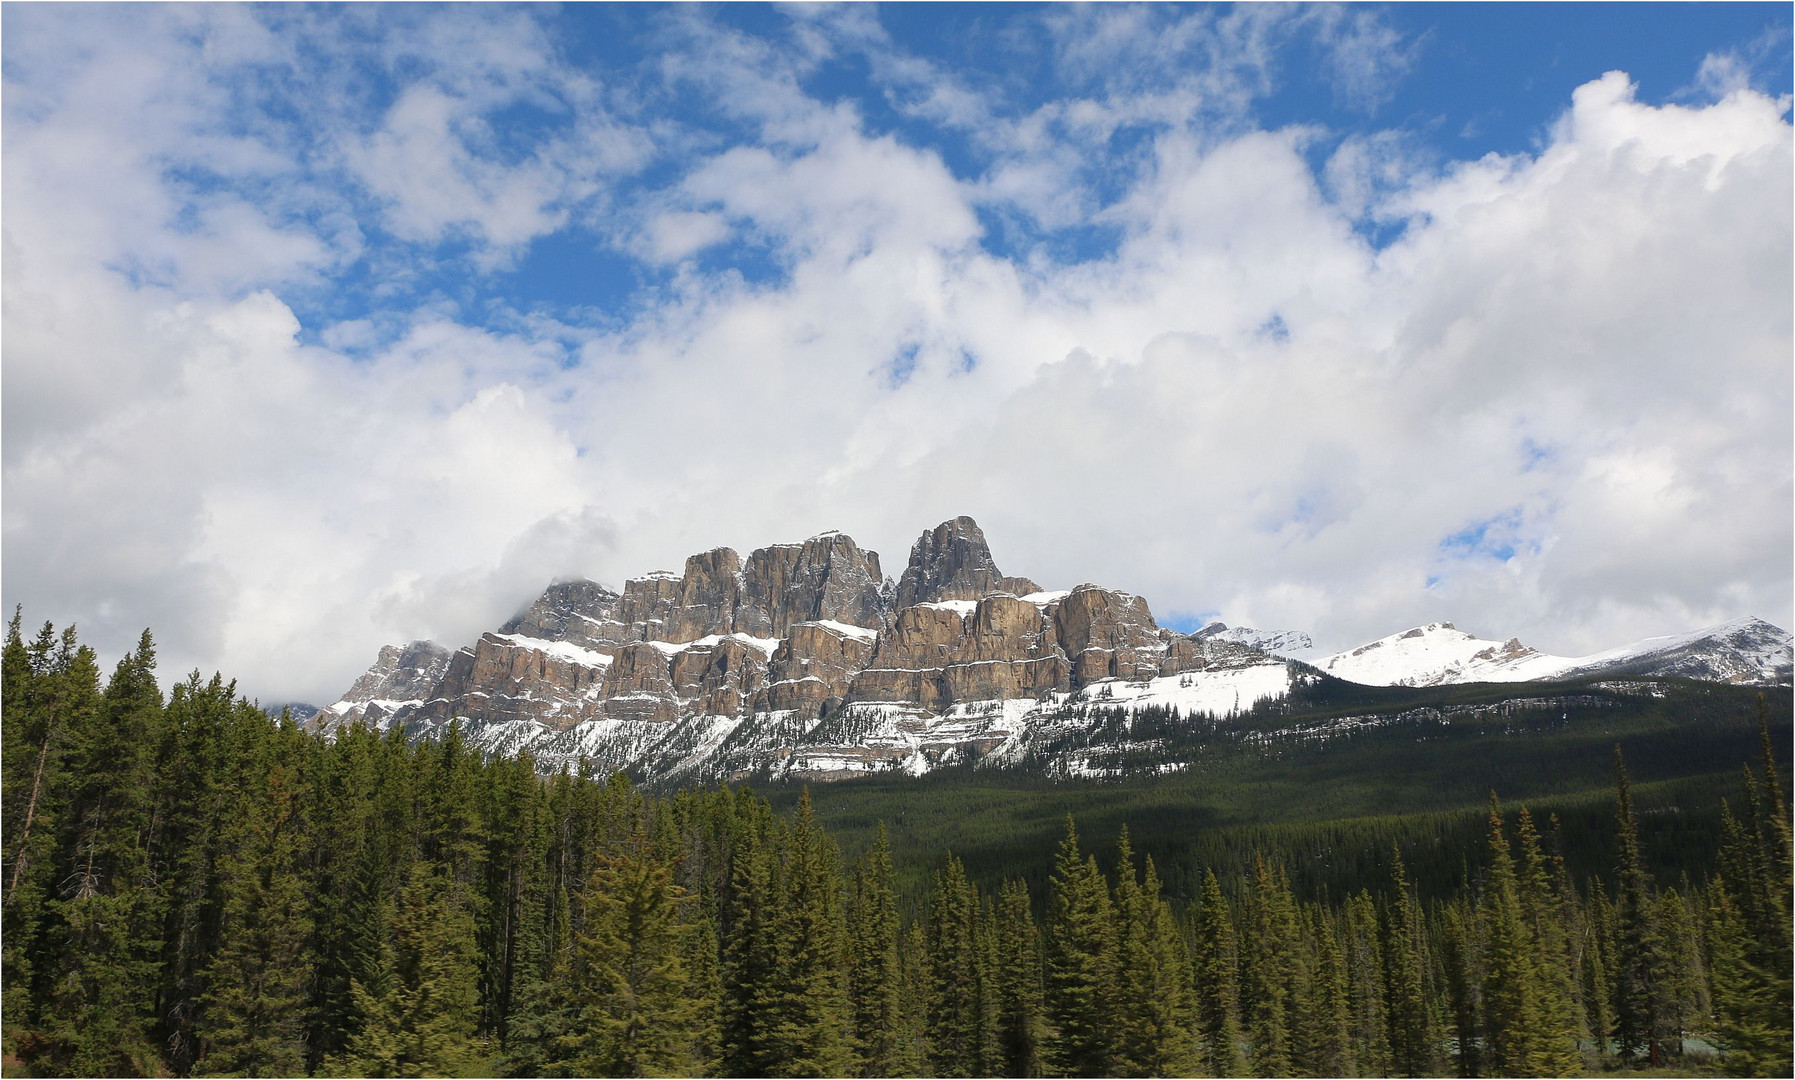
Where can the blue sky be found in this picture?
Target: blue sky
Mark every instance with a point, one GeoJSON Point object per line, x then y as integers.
{"type": "Point", "coordinates": [332, 326]}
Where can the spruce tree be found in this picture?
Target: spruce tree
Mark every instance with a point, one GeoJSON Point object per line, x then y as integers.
{"type": "Point", "coordinates": [1556, 1052]}
{"type": "Point", "coordinates": [101, 1003]}
{"type": "Point", "coordinates": [1080, 964]}
{"type": "Point", "coordinates": [254, 1010]}
{"type": "Point", "coordinates": [1331, 1052]}
{"type": "Point", "coordinates": [876, 983]}
{"type": "Point", "coordinates": [1414, 1041]}
{"type": "Point", "coordinates": [1461, 964]}
{"type": "Point", "coordinates": [1018, 978]}
{"type": "Point", "coordinates": [1638, 1020]}
{"type": "Point", "coordinates": [418, 1008]}
{"type": "Point", "coordinates": [1269, 971]}
{"type": "Point", "coordinates": [1365, 986]}
{"type": "Point", "coordinates": [1153, 1006]}
{"type": "Point", "coordinates": [954, 1014]}
{"type": "Point", "coordinates": [1512, 1037]}
{"type": "Point", "coordinates": [1213, 962]}
{"type": "Point", "coordinates": [638, 1009]}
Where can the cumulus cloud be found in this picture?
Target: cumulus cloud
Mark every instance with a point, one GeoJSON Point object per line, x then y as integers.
{"type": "Point", "coordinates": [1557, 406]}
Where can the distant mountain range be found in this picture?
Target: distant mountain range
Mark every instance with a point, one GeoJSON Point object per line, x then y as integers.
{"type": "Point", "coordinates": [806, 661]}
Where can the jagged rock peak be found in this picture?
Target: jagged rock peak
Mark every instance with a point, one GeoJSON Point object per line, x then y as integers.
{"type": "Point", "coordinates": [953, 562]}
{"type": "Point", "coordinates": [401, 672]}
{"type": "Point", "coordinates": [577, 610]}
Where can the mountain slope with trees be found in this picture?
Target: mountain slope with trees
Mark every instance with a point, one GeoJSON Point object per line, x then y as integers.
{"type": "Point", "coordinates": [192, 888]}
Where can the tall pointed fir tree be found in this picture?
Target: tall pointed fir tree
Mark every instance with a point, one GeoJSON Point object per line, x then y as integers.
{"type": "Point", "coordinates": [253, 1012]}
{"type": "Point", "coordinates": [806, 1026]}
{"type": "Point", "coordinates": [417, 1011]}
{"type": "Point", "coordinates": [1018, 983]}
{"type": "Point", "coordinates": [1269, 971]}
{"type": "Point", "coordinates": [638, 1011]}
{"type": "Point", "coordinates": [1365, 986]}
{"type": "Point", "coordinates": [1414, 1030]}
{"type": "Point", "coordinates": [1749, 928]}
{"type": "Point", "coordinates": [954, 1019]}
{"type": "Point", "coordinates": [1080, 964]}
{"type": "Point", "coordinates": [1511, 1013]}
{"type": "Point", "coordinates": [1638, 1019]}
{"type": "Point", "coordinates": [875, 980]}
{"type": "Point", "coordinates": [101, 1004]}
{"type": "Point", "coordinates": [1213, 964]}
{"type": "Point", "coordinates": [1153, 1004]}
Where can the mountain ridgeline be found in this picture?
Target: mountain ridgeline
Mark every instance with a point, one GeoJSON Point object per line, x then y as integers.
{"type": "Point", "coordinates": [807, 662]}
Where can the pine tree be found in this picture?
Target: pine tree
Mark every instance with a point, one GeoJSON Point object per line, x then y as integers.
{"type": "Point", "coordinates": [100, 1013]}
{"type": "Point", "coordinates": [875, 981]}
{"type": "Point", "coordinates": [418, 1009]}
{"type": "Point", "coordinates": [1461, 963]}
{"type": "Point", "coordinates": [803, 1021]}
{"type": "Point", "coordinates": [1217, 982]}
{"type": "Point", "coordinates": [954, 1020]}
{"type": "Point", "coordinates": [1638, 1020]}
{"type": "Point", "coordinates": [1746, 1027]}
{"type": "Point", "coordinates": [1414, 1041]}
{"type": "Point", "coordinates": [49, 688]}
{"type": "Point", "coordinates": [1511, 1012]}
{"type": "Point", "coordinates": [1331, 1051]}
{"type": "Point", "coordinates": [1269, 971]}
{"type": "Point", "coordinates": [1365, 986]}
{"type": "Point", "coordinates": [1080, 964]}
{"type": "Point", "coordinates": [254, 1009]}
{"type": "Point", "coordinates": [1153, 1006]}
{"type": "Point", "coordinates": [1018, 978]}
{"type": "Point", "coordinates": [1749, 928]}
{"type": "Point", "coordinates": [1598, 954]}
{"type": "Point", "coordinates": [638, 1009]}
{"type": "Point", "coordinates": [1555, 1053]}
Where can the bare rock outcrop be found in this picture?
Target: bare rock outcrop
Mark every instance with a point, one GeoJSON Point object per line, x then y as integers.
{"type": "Point", "coordinates": [649, 605]}
{"type": "Point", "coordinates": [934, 655]}
{"type": "Point", "coordinates": [815, 665]}
{"type": "Point", "coordinates": [578, 611]}
{"type": "Point", "coordinates": [639, 685]}
{"type": "Point", "coordinates": [953, 562]}
{"type": "Point", "coordinates": [825, 577]}
{"type": "Point", "coordinates": [719, 680]}
{"type": "Point", "coordinates": [499, 680]}
{"type": "Point", "coordinates": [1206, 652]}
{"type": "Point", "coordinates": [402, 673]}
{"type": "Point", "coordinates": [1107, 634]}
{"type": "Point", "coordinates": [709, 594]}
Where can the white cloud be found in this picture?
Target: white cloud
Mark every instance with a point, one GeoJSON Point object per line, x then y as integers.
{"type": "Point", "coordinates": [1243, 407]}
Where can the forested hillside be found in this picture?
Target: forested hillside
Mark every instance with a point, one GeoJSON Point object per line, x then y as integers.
{"type": "Point", "coordinates": [194, 889]}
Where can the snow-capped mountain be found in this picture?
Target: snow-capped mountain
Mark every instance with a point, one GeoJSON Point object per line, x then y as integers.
{"type": "Point", "coordinates": [1290, 644]}
{"type": "Point", "coordinates": [805, 660]}
{"type": "Point", "coordinates": [1742, 651]}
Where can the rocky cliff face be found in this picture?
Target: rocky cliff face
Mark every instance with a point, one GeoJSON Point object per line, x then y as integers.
{"type": "Point", "coordinates": [953, 562]}
{"type": "Point", "coordinates": [804, 660]}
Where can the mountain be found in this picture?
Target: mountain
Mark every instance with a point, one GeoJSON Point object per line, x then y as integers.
{"type": "Point", "coordinates": [806, 661]}
{"type": "Point", "coordinates": [1742, 651]}
{"type": "Point", "coordinates": [1290, 644]}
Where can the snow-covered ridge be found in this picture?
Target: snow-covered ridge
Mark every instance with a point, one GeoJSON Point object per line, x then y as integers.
{"type": "Point", "coordinates": [1744, 650]}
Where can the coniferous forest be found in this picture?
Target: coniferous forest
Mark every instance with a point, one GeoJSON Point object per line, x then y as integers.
{"type": "Point", "coordinates": [195, 889]}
